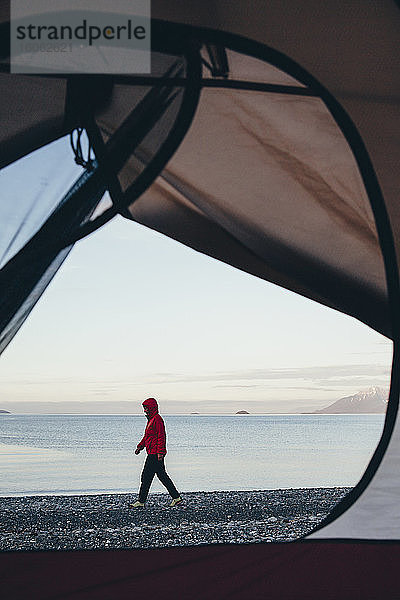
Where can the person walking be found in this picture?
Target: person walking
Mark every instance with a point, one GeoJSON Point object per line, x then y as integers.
{"type": "Point", "coordinates": [154, 440]}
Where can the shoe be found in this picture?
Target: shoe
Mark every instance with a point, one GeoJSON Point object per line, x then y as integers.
{"type": "Point", "coordinates": [136, 505]}
{"type": "Point", "coordinates": [176, 501]}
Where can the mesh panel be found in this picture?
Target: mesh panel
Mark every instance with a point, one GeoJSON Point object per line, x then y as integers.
{"type": "Point", "coordinates": [39, 228]}
{"type": "Point", "coordinates": [31, 189]}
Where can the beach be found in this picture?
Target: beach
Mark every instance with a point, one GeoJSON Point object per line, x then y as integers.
{"type": "Point", "coordinates": [88, 522]}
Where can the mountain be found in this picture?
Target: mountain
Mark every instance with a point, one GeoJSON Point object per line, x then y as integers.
{"type": "Point", "coordinates": [4, 412]}
{"type": "Point", "coordinates": [373, 400]}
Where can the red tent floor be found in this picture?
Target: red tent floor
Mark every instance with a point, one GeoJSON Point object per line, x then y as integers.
{"type": "Point", "coordinates": [286, 571]}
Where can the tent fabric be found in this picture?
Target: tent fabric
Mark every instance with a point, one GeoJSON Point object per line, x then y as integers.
{"type": "Point", "coordinates": [141, 115]}
{"type": "Point", "coordinates": [32, 114]}
{"type": "Point", "coordinates": [352, 53]}
{"type": "Point", "coordinates": [298, 162]}
{"type": "Point", "coordinates": [293, 199]}
{"type": "Point", "coordinates": [291, 571]}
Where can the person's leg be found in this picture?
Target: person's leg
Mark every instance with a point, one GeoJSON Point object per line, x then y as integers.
{"type": "Point", "coordinates": [165, 479]}
{"type": "Point", "coordinates": [147, 477]}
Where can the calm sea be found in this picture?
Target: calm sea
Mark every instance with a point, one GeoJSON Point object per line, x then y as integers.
{"type": "Point", "coordinates": [78, 454]}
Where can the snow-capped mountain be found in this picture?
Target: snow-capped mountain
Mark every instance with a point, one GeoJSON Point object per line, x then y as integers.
{"type": "Point", "coordinates": [373, 400]}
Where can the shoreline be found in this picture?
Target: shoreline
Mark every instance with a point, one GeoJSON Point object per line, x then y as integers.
{"type": "Point", "coordinates": [130, 493]}
{"type": "Point", "coordinates": [185, 414]}
{"type": "Point", "coordinates": [105, 521]}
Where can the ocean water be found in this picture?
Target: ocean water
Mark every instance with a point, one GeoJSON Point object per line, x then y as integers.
{"type": "Point", "coordinates": [80, 454]}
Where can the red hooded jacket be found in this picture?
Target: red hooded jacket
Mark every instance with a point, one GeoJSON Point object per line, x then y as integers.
{"type": "Point", "coordinates": [154, 439]}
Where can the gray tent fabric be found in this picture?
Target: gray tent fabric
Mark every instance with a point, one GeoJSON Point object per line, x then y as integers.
{"type": "Point", "coordinates": [287, 168]}
{"type": "Point", "coordinates": [293, 199]}
{"type": "Point", "coordinates": [298, 162]}
{"type": "Point", "coordinates": [353, 53]}
{"type": "Point", "coordinates": [141, 115]}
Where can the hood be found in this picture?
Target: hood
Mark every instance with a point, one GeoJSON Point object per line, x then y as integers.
{"type": "Point", "coordinates": [151, 404]}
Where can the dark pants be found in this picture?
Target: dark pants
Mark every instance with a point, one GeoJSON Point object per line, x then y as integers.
{"type": "Point", "coordinates": [152, 467]}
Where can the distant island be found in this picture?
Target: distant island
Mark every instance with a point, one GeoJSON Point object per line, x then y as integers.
{"type": "Point", "coordinates": [194, 413]}
{"type": "Point", "coordinates": [242, 412]}
{"type": "Point", "coordinates": [373, 400]}
{"type": "Point", "coordinates": [5, 412]}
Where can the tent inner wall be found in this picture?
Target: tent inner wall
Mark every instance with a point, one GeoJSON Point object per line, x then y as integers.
{"type": "Point", "coordinates": [269, 184]}
{"type": "Point", "coordinates": [37, 243]}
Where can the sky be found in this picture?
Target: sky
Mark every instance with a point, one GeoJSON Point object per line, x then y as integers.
{"type": "Point", "coordinates": [133, 314]}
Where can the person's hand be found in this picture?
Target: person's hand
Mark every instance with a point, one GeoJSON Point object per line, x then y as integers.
{"type": "Point", "coordinates": [160, 456]}
{"type": "Point", "coordinates": [137, 451]}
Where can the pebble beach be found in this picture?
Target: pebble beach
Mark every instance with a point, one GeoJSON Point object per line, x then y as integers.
{"type": "Point", "coordinates": [105, 521]}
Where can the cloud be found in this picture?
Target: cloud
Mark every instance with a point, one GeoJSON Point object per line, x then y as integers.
{"type": "Point", "coordinates": [320, 375]}
{"type": "Point", "coordinates": [315, 379]}
{"type": "Point", "coordinates": [230, 385]}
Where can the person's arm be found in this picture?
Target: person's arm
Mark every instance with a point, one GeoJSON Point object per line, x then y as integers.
{"type": "Point", "coordinates": [140, 446]}
{"type": "Point", "coordinates": [161, 438]}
